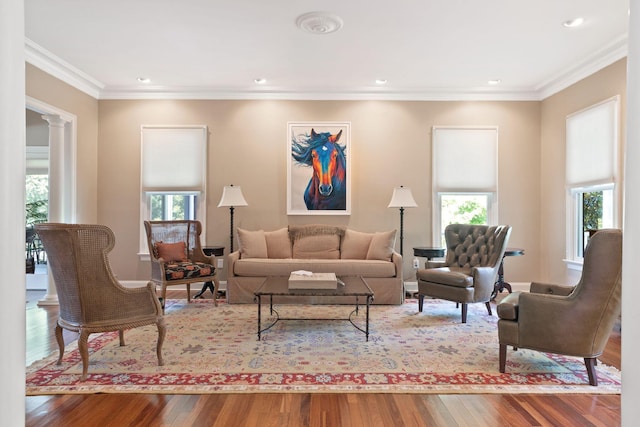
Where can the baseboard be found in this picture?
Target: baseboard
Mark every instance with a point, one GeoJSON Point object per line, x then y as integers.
{"type": "Point", "coordinates": [411, 287]}
{"type": "Point", "coordinates": [520, 286]}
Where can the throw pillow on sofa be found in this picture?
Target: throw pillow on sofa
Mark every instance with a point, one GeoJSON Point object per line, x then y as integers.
{"type": "Point", "coordinates": [382, 245]}
{"type": "Point", "coordinates": [315, 241]}
{"type": "Point", "coordinates": [252, 243]}
{"type": "Point", "coordinates": [278, 244]}
{"type": "Point", "coordinates": [355, 244]}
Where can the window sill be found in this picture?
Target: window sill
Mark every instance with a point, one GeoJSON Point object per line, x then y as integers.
{"type": "Point", "coordinates": [144, 256]}
{"type": "Point", "coordinates": [573, 265]}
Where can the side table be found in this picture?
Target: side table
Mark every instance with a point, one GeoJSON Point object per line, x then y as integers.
{"type": "Point", "coordinates": [428, 252]}
{"type": "Point", "coordinates": [500, 283]}
{"type": "Point", "coordinates": [209, 251]}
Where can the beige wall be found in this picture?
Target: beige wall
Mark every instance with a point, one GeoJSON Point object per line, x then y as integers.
{"type": "Point", "coordinates": [608, 82]}
{"type": "Point", "coordinates": [47, 89]}
{"type": "Point", "coordinates": [390, 146]}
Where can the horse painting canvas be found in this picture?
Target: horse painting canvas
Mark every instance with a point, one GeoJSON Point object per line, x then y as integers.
{"type": "Point", "coordinates": [318, 169]}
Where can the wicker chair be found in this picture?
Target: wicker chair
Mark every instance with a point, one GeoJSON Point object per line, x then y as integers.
{"type": "Point", "coordinates": [91, 298]}
{"type": "Point", "coordinates": [177, 257]}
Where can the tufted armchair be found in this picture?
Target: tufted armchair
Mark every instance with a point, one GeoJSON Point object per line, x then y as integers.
{"type": "Point", "coordinates": [177, 257]}
{"type": "Point", "coordinates": [469, 272]}
{"type": "Point", "coordinates": [570, 320]}
{"type": "Point", "coordinates": [91, 298]}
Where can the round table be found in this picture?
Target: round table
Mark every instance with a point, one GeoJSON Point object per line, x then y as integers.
{"type": "Point", "coordinates": [428, 252]}
{"type": "Point", "coordinates": [500, 283]}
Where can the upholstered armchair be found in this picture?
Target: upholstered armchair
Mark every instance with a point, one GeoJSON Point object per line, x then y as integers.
{"type": "Point", "coordinates": [569, 320]}
{"type": "Point", "coordinates": [177, 257]}
{"type": "Point", "coordinates": [91, 299]}
{"type": "Point", "coordinates": [468, 273]}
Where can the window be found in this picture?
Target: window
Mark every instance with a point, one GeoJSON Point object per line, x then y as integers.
{"type": "Point", "coordinates": [173, 174]}
{"type": "Point", "coordinates": [462, 208]}
{"type": "Point", "coordinates": [591, 176]}
{"type": "Point", "coordinates": [170, 206]}
{"type": "Point", "coordinates": [465, 177]}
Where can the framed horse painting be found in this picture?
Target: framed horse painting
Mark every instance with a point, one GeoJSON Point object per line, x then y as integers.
{"type": "Point", "coordinates": [318, 168]}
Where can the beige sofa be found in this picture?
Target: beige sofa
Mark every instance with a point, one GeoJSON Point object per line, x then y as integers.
{"type": "Point", "coordinates": [318, 248]}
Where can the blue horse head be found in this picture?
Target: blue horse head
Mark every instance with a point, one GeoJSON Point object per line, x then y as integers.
{"type": "Point", "coordinates": [327, 187]}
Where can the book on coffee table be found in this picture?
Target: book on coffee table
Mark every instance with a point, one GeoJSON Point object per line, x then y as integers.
{"type": "Point", "coordinates": [307, 280]}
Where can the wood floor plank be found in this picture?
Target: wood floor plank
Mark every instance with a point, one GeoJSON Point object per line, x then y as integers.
{"type": "Point", "coordinates": [305, 409]}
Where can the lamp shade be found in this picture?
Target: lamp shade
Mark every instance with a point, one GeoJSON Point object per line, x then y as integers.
{"type": "Point", "coordinates": [402, 198]}
{"type": "Point", "coordinates": [232, 196]}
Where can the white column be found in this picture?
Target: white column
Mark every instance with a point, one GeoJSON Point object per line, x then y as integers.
{"type": "Point", "coordinates": [56, 190]}
{"type": "Point", "coordinates": [631, 238]}
{"type": "Point", "coordinates": [12, 219]}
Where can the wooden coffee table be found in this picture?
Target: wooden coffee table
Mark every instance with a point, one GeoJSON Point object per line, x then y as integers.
{"type": "Point", "coordinates": [279, 286]}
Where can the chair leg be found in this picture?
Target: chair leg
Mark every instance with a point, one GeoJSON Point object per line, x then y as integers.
{"type": "Point", "coordinates": [590, 363]}
{"type": "Point", "coordinates": [420, 302]}
{"type": "Point", "coordinates": [489, 308]}
{"type": "Point", "coordinates": [188, 292]}
{"type": "Point", "coordinates": [84, 353]}
{"type": "Point", "coordinates": [162, 331]}
{"type": "Point", "coordinates": [216, 286]}
{"type": "Point", "coordinates": [60, 340]}
{"type": "Point", "coordinates": [121, 336]}
{"type": "Point", "coordinates": [464, 312]}
{"type": "Point", "coordinates": [164, 296]}
{"type": "Point", "coordinates": [503, 358]}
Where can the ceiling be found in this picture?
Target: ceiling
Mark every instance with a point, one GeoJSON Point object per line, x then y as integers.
{"type": "Point", "coordinates": [424, 49]}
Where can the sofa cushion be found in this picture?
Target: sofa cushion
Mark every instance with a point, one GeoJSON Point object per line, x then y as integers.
{"type": "Point", "coordinates": [324, 246]}
{"type": "Point", "coordinates": [355, 244]}
{"type": "Point", "coordinates": [382, 244]}
{"type": "Point", "coordinates": [187, 270]}
{"type": "Point", "coordinates": [257, 267]}
{"type": "Point", "coordinates": [171, 252]}
{"type": "Point", "coordinates": [278, 243]}
{"type": "Point", "coordinates": [451, 276]}
{"type": "Point", "coordinates": [252, 243]}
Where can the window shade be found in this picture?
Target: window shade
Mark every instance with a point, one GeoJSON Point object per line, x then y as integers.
{"type": "Point", "coordinates": [591, 145]}
{"type": "Point", "coordinates": [465, 159]}
{"type": "Point", "coordinates": [173, 158]}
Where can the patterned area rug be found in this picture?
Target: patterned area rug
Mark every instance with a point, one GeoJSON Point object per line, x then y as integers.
{"type": "Point", "coordinates": [212, 349]}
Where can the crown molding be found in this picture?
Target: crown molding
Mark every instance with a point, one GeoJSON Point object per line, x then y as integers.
{"type": "Point", "coordinates": [607, 55]}
{"type": "Point", "coordinates": [57, 67]}
{"type": "Point", "coordinates": [39, 57]}
{"type": "Point", "coordinates": [206, 93]}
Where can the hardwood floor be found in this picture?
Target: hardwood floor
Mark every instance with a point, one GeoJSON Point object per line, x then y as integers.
{"type": "Point", "coordinates": [305, 409]}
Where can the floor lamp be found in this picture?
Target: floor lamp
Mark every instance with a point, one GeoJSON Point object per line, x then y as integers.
{"type": "Point", "coordinates": [232, 197]}
{"type": "Point", "coordinates": [402, 198]}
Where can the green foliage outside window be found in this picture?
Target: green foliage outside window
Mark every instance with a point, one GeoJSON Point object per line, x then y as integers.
{"type": "Point", "coordinates": [36, 199]}
{"type": "Point", "coordinates": [464, 209]}
{"type": "Point", "coordinates": [171, 206]}
{"type": "Point", "coordinates": [592, 210]}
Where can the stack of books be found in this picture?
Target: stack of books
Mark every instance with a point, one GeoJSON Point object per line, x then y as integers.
{"type": "Point", "coordinates": [302, 279]}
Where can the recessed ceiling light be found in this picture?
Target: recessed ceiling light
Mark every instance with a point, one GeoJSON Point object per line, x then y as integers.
{"type": "Point", "coordinates": [381, 81]}
{"type": "Point", "coordinates": [260, 81]}
{"type": "Point", "coordinates": [144, 79]}
{"type": "Point", "coordinates": [494, 82]}
{"type": "Point", "coordinates": [575, 22]}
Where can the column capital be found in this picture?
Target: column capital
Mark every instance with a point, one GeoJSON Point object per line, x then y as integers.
{"type": "Point", "coordinates": [54, 120]}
